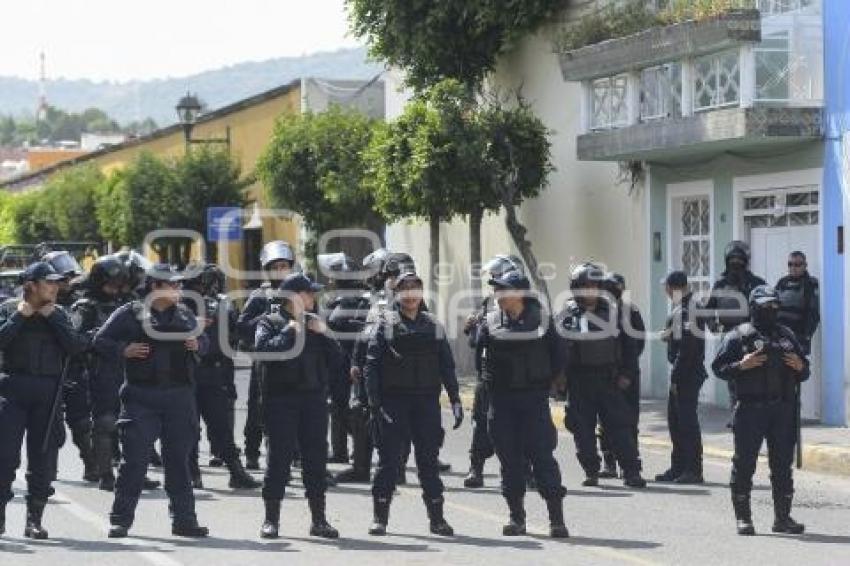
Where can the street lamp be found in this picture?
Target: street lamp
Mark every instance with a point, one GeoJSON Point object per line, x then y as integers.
{"type": "Point", "coordinates": [188, 109]}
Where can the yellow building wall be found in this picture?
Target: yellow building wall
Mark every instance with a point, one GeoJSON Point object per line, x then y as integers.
{"type": "Point", "coordinates": [251, 129]}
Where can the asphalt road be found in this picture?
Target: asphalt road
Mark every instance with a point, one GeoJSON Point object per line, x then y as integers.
{"type": "Point", "coordinates": [609, 525]}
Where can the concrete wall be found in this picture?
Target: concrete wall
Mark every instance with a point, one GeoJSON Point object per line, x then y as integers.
{"type": "Point", "coordinates": [584, 214]}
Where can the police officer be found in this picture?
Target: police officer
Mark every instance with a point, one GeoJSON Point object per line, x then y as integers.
{"type": "Point", "coordinates": [36, 341]}
{"type": "Point", "coordinates": [521, 356]}
{"type": "Point", "coordinates": [159, 340]}
{"type": "Point", "coordinates": [214, 376]}
{"type": "Point", "coordinates": [346, 317]}
{"type": "Point", "coordinates": [633, 324]}
{"type": "Point", "coordinates": [729, 294]}
{"type": "Point", "coordinates": [76, 388]}
{"type": "Point", "coordinates": [295, 390]}
{"type": "Point", "coordinates": [101, 297]}
{"type": "Point", "coordinates": [481, 448]}
{"type": "Point", "coordinates": [766, 363]}
{"type": "Point", "coordinates": [374, 302]}
{"type": "Point", "coordinates": [408, 362]}
{"type": "Point", "coordinates": [601, 363]}
{"type": "Point", "coordinates": [685, 337]}
{"type": "Point", "coordinates": [799, 296]}
{"type": "Point", "coordinates": [277, 261]}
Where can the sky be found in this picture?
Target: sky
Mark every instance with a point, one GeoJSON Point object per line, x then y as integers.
{"type": "Point", "coordinates": [121, 40]}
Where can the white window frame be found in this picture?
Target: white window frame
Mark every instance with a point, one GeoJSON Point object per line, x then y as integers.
{"type": "Point", "coordinates": [677, 191]}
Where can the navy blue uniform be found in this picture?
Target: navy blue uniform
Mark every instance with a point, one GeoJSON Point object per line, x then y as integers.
{"type": "Point", "coordinates": [157, 401]}
{"type": "Point", "coordinates": [34, 351]}
{"type": "Point", "coordinates": [104, 374]}
{"type": "Point", "coordinates": [257, 306]}
{"type": "Point", "coordinates": [215, 388]}
{"type": "Point", "coordinates": [408, 363]}
{"type": "Point", "coordinates": [686, 355]}
{"type": "Point", "coordinates": [595, 359]}
{"type": "Point", "coordinates": [766, 407]}
{"type": "Point", "coordinates": [518, 373]}
{"type": "Point", "coordinates": [799, 298]}
{"type": "Point", "coordinates": [295, 403]}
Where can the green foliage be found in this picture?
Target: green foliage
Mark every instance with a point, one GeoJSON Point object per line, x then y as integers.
{"type": "Point", "coordinates": [433, 40]}
{"type": "Point", "coordinates": [314, 166]}
{"type": "Point", "coordinates": [59, 125]}
{"type": "Point", "coordinates": [620, 20]}
{"type": "Point", "coordinates": [427, 164]}
{"type": "Point", "coordinates": [70, 196]}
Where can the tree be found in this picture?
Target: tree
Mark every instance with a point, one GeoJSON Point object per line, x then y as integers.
{"type": "Point", "coordinates": [427, 164]}
{"type": "Point", "coordinates": [314, 165]}
{"type": "Point", "coordinates": [433, 40]}
{"type": "Point", "coordinates": [518, 159]}
{"type": "Point", "coordinates": [70, 196]}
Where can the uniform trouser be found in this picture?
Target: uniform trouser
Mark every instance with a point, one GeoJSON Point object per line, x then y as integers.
{"type": "Point", "coordinates": [148, 413]}
{"type": "Point", "coordinates": [254, 421]}
{"type": "Point", "coordinates": [521, 427]}
{"type": "Point", "coordinates": [25, 403]}
{"type": "Point", "coordinates": [361, 440]}
{"type": "Point", "coordinates": [683, 422]}
{"type": "Point", "coordinates": [339, 422]}
{"type": "Point", "coordinates": [595, 398]}
{"type": "Point", "coordinates": [106, 406]}
{"type": "Point", "coordinates": [214, 399]}
{"type": "Point", "coordinates": [482, 446]}
{"type": "Point", "coordinates": [296, 422]}
{"type": "Point", "coordinates": [417, 418]}
{"type": "Point", "coordinates": [752, 424]}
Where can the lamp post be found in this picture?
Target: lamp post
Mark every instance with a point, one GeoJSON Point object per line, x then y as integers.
{"type": "Point", "coordinates": [188, 109]}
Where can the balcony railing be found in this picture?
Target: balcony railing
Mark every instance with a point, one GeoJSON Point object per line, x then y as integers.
{"type": "Point", "coordinates": [783, 69]}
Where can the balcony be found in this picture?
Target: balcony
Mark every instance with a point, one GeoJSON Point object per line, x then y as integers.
{"type": "Point", "coordinates": [743, 80]}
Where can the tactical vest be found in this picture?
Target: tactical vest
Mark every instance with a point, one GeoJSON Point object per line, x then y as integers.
{"type": "Point", "coordinates": [597, 353]}
{"type": "Point", "coordinates": [307, 372]}
{"type": "Point", "coordinates": [169, 363]}
{"type": "Point", "coordinates": [35, 350]}
{"type": "Point", "coordinates": [411, 363]}
{"type": "Point", "coordinates": [517, 364]}
{"type": "Point", "coordinates": [793, 301]}
{"type": "Point", "coordinates": [773, 380]}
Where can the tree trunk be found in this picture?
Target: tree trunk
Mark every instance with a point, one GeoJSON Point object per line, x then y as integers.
{"type": "Point", "coordinates": [518, 232]}
{"type": "Point", "coordinates": [434, 228]}
{"type": "Point", "coordinates": [475, 254]}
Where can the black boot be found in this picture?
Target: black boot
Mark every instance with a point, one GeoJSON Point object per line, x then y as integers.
{"type": "Point", "coordinates": [271, 525]}
{"type": "Point", "coordinates": [149, 484]}
{"type": "Point", "coordinates": [444, 466]}
{"type": "Point", "coordinates": [634, 479]}
{"type": "Point", "coordinates": [252, 462]}
{"type": "Point", "coordinates": [516, 526]}
{"type": "Point", "coordinates": [381, 510]}
{"type": "Point", "coordinates": [557, 528]}
{"type": "Point", "coordinates": [783, 523]}
{"type": "Point", "coordinates": [592, 480]}
{"type": "Point", "coordinates": [475, 478]}
{"type": "Point", "coordinates": [609, 466]}
{"type": "Point", "coordinates": [35, 511]}
{"type": "Point", "coordinates": [319, 526]}
{"type": "Point", "coordinates": [239, 478]}
{"type": "Point", "coordinates": [81, 435]}
{"type": "Point", "coordinates": [216, 462]}
{"type": "Point", "coordinates": [118, 531]}
{"type": "Point", "coordinates": [437, 520]}
{"type": "Point", "coordinates": [190, 529]}
{"type": "Point", "coordinates": [107, 481]}
{"type": "Point", "coordinates": [743, 513]}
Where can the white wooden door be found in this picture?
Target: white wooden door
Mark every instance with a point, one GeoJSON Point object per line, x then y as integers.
{"type": "Point", "coordinates": [770, 248]}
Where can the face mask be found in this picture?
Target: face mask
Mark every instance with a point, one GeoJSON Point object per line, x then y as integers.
{"type": "Point", "coordinates": [765, 317]}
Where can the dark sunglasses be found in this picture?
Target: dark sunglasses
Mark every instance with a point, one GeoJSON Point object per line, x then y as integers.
{"type": "Point", "coordinates": [796, 264]}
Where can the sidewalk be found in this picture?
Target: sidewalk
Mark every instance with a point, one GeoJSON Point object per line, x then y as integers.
{"type": "Point", "coordinates": [825, 449]}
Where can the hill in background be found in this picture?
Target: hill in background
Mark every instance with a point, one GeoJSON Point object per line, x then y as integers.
{"type": "Point", "coordinates": [156, 99]}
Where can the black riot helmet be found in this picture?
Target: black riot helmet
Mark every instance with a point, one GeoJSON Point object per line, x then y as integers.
{"type": "Point", "coordinates": [107, 269]}
{"type": "Point", "coordinates": [737, 250]}
{"type": "Point", "coordinates": [276, 250]}
{"type": "Point", "coordinates": [398, 263]}
{"type": "Point", "coordinates": [374, 264]}
{"type": "Point", "coordinates": [136, 265]}
{"type": "Point", "coordinates": [764, 306]}
{"type": "Point", "coordinates": [64, 263]}
{"type": "Point", "coordinates": [501, 264]}
{"type": "Point", "coordinates": [340, 269]}
{"type": "Point", "coordinates": [213, 280]}
{"type": "Point", "coordinates": [585, 275]}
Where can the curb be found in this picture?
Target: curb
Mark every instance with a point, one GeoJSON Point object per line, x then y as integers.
{"type": "Point", "coordinates": [820, 458]}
